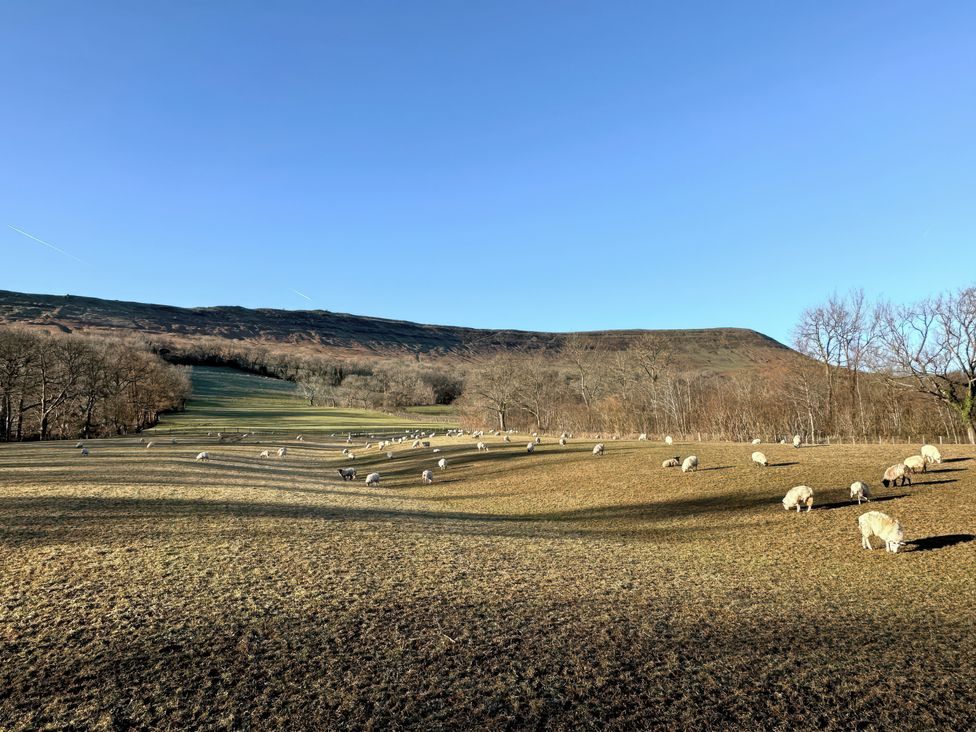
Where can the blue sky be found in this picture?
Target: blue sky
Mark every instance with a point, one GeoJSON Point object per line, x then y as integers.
{"type": "Point", "coordinates": [558, 166]}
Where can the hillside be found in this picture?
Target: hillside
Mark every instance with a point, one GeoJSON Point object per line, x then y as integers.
{"type": "Point", "coordinates": [345, 335]}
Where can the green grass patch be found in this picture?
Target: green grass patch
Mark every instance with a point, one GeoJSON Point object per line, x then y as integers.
{"type": "Point", "coordinates": [227, 400]}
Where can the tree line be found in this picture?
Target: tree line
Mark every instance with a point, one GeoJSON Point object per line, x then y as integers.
{"type": "Point", "coordinates": [872, 370]}
{"type": "Point", "coordinates": [66, 386]}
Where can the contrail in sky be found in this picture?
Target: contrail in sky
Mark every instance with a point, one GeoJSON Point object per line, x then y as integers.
{"type": "Point", "coordinates": [45, 243]}
{"type": "Point", "coordinates": [302, 294]}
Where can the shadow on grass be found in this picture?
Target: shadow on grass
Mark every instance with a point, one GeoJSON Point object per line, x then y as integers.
{"type": "Point", "coordinates": [934, 482]}
{"type": "Point", "coordinates": [956, 460]}
{"type": "Point", "coordinates": [944, 470]}
{"type": "Point", "coordinates": [718, 467]}
{"type": "Point", "coordinates": [939, 542]}
{"type": "Point", "coordinates": [782, 465]}
{"type": "Point", "coordinates": [848, 504]}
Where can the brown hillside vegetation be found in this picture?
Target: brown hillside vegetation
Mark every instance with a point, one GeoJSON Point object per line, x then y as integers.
{"type": "Point", "coordinates": [343, 335]}
{"type": "Point", "coordinates": [142, 589]}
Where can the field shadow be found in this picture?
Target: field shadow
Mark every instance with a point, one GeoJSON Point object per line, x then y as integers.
{"type": "Point", "coordinates": [848, 504]}
{"type": "Point", "coordinates": [945, 470]}
{"type": "Point", "coordinates": [956, 460]}
{"type": "Point", "coordinates": [939, 542]}
{"type": "Point", "coordinates": [782, 465]}
{"type": "Point", "coordinates": [934, 482]}
{"type": "Point", "coordinates": [718, 467]}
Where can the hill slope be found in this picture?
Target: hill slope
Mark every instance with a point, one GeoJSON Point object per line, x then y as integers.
{"type": "Point", "coordinates": [345, 335]}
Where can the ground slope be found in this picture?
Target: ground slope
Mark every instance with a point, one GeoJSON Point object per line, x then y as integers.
{"type": "Point", "coordinates": [140, 588]}
{"type": "Point", "coordinates": [342, 334]}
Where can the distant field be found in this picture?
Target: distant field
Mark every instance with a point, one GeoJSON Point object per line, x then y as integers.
{"type": "Point", "coordinates": [140, 588]}
{"type": "Point", "coordinates": [232, 401]}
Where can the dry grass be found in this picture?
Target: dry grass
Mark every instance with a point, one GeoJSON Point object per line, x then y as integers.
{"type": "Point", "coordinates": [560, 590]}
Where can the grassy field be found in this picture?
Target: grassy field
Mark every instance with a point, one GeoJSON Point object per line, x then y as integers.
{"type": "Point", "coordinates": [233, 401]}
{"type": "Point", "coordinates": [140, 588]}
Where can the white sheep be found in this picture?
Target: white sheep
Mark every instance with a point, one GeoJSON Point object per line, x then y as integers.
{"type": "Point", "coordinates": [427, 477]}
{"type": "Point", "coordinates": [482, 446]}
{"type": "Point", "coordinates": [759, 459]}
{"type": "Point", "coordinates": [538, 440]}
{"type": "Point", "coordinates": [348, 473]}
{"type": "Point", "coordinates": [84, 451]}
{"type": "Point", "coordinates": [300, 438]}
{"type": "Point", "coordinates": [756, 441]}
{"type": "Point", "coordinates": [690, 464]}
{"type": "Point", "coordinates": [892, 474]}
{"type": "Point", "coordinates": [416, 443]}
{"type": "Point", "coordinates": [860, 491]}
{"type": "Point", "coordinates": [203, 456]}
{"type": "Point", "coordinates": [264, 454]}
{"type": "Point", "coordinates": [642, 436]}
{"type": "Point", "coordinates": [442, 463]}
{"type": "Point", "coordinates": [598, 449]}
{"type": "Point", "coordinates": [350, 456]}
{"type": "Point", "coordinates": [149, 444]}
{"type": "Point", "coordinates": [915, 463]}
{"type": "Point", "coordinates": [875, 523]}
{"type": "Point", "coordinates": [931, 454]}
{"type": "Point", "coordinates": [797, 496]}
{"type": "Point", "coordinates": [562, 441]}
{"type": "Point", "coordinates": [668, 440]}
{"type": "Point", "coordinates": [389, 455]}
{"type": "Point", "coordinates": [796, 440]}
{"type": "Point", "coordinates": [373, 479]}
{"type": "Point", "coordinates": [671, 463]}
{"type": "Point", "coordinates": [282, 451]}
{"type": "Point", "coordinates": [506, 438]}
{"type": "Point", "coordinates": [530, 448]}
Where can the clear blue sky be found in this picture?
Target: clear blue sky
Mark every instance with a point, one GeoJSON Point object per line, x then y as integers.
{"type": "Point", "coordinates": [558, 166]}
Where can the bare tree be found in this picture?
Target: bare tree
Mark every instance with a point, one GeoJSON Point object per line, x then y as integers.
{"type": "Point", "coordinates": [931, 347]}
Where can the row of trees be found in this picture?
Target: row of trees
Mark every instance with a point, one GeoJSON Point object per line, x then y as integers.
{"type": "Point", "coordinates": [874, 370]}
{"type": "Point", "coordinates": [925, 348]}
{"type": "Point", "coordinates": [61, 386]}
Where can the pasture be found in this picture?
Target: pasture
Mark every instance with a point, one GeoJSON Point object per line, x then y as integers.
{"type": "Point", "coordinates": [141, 588]}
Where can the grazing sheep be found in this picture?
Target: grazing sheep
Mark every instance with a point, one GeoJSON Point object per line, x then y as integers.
{"type": "Point", "coordinates": [350, 456]}
{"type": "Point", "coordinates": [796, 440]}
{"type": "Point", "coordinates": [436, 449]}
{"type": "Point", "coordinates": [282, 451]}
{"type": "Point", "coordinates": [797, 496]}
{"type": "Point", "coordinates": [348, 473]}
{"type": "Point", "coordinates": [690, 464]}
{"type": "Point", "coordinates": [642, 437]}
{"type": "Point", "coordinates": [668, 440]}
{"type": "Point", "coordinates": [84, 452]}
{"type": "Point", "coordinates": [148, 445]}
{"type": "Point", "coordinates": [530, 448]}
{"type": "Point", "coordinates": [875, 523]}
{"type": "Point", "coordinates": [598, 449]}
{"type": "Point", "coordinates": [264, 454]}
{"type": "Point", "coordinates": [442, 463]}
{"type": "Point", "coordinates": [756, 441]}
{"type": "Point", "coordinates": [345, 451]}
{"type": "Point", "coordinates": [203, 456]}
{"type": "Point", "coordinates": [416, 443]}
{"type": "Point", "coordinates": [506, 438]}
{"type": "Point", "coordinates": [671, 462]}
{"type": "Point", "coordinates": [300, 438]}
{"type": "Point", "coordinates": [759, 459]}
{"type": "Point", "coordinates": [783, 441]}
{"type": "Point", "coordinates": [915, 463]}
{"type": "Point", "coordinates": [931, 454]}
{"type": "Point", "coordinates": [860, 491]}
{"type": "Point", "coordinates": [482, 446]}
{"type": "Point", "coordinates": [368, 445]}
{"type": "Point", "coordinates": [562, 441]}
{"type": "Point", "coordinates": [892, 474]}
{"type": "Point", "coordinates": [389, 455]}
{"type": "Point", "coordinates": [373, 479]}
{"type": "Point", "coordinates": [427, 477]}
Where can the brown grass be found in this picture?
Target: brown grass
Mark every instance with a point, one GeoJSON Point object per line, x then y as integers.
{"type": "Point", "coordinates": [559, 590]}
